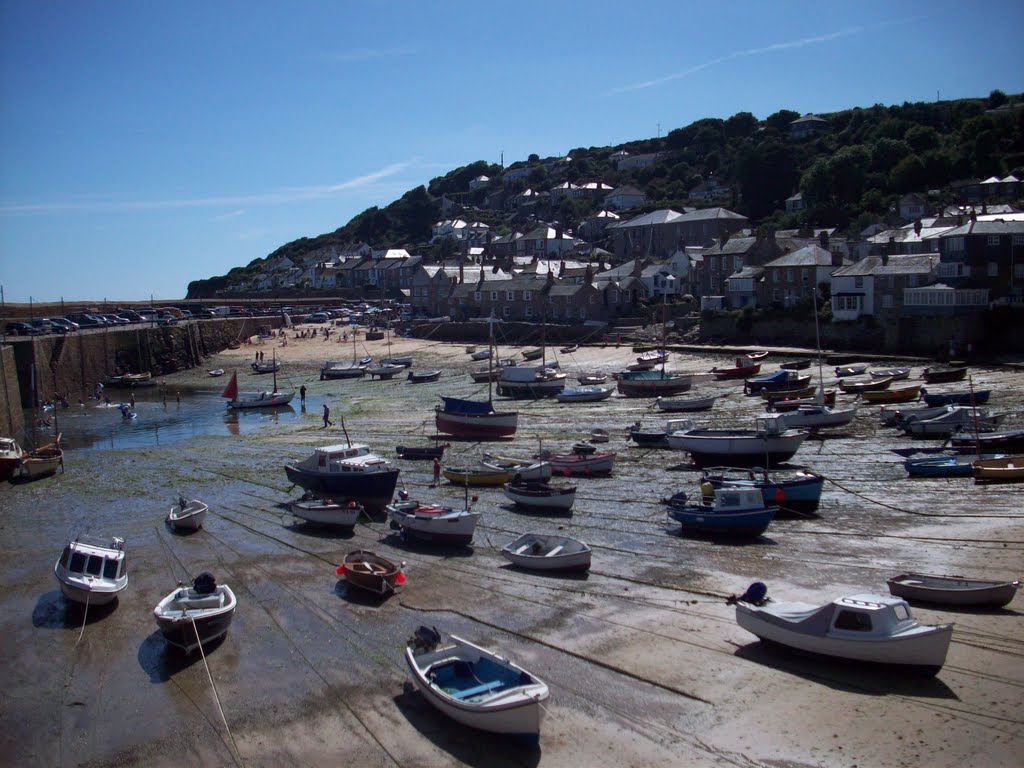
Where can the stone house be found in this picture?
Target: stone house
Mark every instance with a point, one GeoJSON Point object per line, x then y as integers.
{"type": "Point", "coordinates": [623, 198]}
{"type": "Point", "coordinates": [793, 276]}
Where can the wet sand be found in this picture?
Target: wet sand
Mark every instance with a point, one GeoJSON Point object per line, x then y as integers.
{"type": "Point", "coordinates": [644, 659]}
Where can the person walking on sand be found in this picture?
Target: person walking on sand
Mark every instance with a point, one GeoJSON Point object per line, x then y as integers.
{"type": "Point", "coordinates": [327, 417]}
{"type": "Point", "coordinates": [302, 394]}
{"type": "Point", "coordinates": [437, 472]}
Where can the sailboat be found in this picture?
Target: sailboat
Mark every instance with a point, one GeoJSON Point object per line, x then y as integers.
{"type": "Point", "coordinates": [334, 369]}
{"type": "Point", "coordinates": [259, 399]}
{"type": "Point", "coordinates": [475, 418]}
{"type": "Point", "coordinates": [651, 383]}
{"type": "Point", "coordinates": [387, 368]}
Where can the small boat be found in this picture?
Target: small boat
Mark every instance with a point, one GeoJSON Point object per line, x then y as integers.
{"type": "Point", "coordinates": [946, 465]}
{"type": "Point", "coordinates": [653, 356]}
{"type": "Point", "coordinates": [481, 354]}
{"type": "Point", "coordinates": [10, 457]}
{"type": "Point", "coordinates": [757, 355]}
{"type": "Point", "coordinates": [640, 367]}
{"type": "Point", "coordinates": [648, 437]}
{"type": "Point", "coordinates": [895, 417]}
{"type": "Point", "coordinates": [1009, 441]}
{"type": "Point", "coordinates": [43, 461]}
{"type": "Point", "coordinates": [474, 418]}
{"type": "Point", "coordinates": [433, 522]}
{"type": "Point", "coordinates": [868, 385]}
{"type": "Point", "coordinates": [470, 349]}
{"type": "Point", "coordinates": [780, 380]}
{"type": "Point", "coordinates": [785, 404]}
{"type": "Point", "coordinates": [476, 476]}
{"type": "Point", "coordinates": [576, 463]}
{"type": "Point", "coordinates": [1007, 469]}
{"type": "Point", "coordinates": [818, 416]}
{"type": "Point", "coordinates": [683, 405]}
{"type": "Point", "coordinates": [976, 397]}
{"type": "Point", "coordinates": [547, 552]}
{"type": "Point", "coordinates": [343, 514]}
{"type": "Point", "coordinates": [215, 372]}
{"type": "Point", "coordinates": [599, 435]}
{"type": "Point", "coordinates": [187, 515]}
{"type": "Point", "coordinates": [421, 452]}
{"type": "Point", "coordinates": [533, 354]}
{"type": "Point", "coordinates": [524, 382]}
{"type": "Point", "coordinates": [773, 396]}
{"type": "Point", "coordinates": [850, 370]}
{"type": "Point", "coordinates": [405, 361]}
{"type": "Point", "coordinates": [474, 686]}
{"type": "Point", "coordinates": [541, 495]}
{"type": "Point", "coordinates": [795, 492]}
{"type": "Point", "coordinates": [896, 374]}
{"type": "Point", "coordinates": [740, 371]}
{"type": "Point", "coordinates": [584, 394]}
{"type": "Point", "coordinates": [880, 629]}
{"type": "Point", "coordinates": [796, 365]}
{"type": "Point", "coordinates": [265, 367]}
{"type": "Point", "coordinates": [521, 469]}
{"type": "Point", "coordinates": [192, 616]}
{"type": "Point", "coordinates": [92, 571]}
{"type": "Point", "coordinates": [383, 371]}
{"type": "Point", "coordinates": [334, 369]}
{"type": "Point", "coordinates": [952, 590]}
{"type": "Point", "coordinates": [955, 419]}
{"type": "Point", "coordinates": [653, 383]}
{"type": "Point", "coordinates": [591, 379]}
{"type": "Point", "coordinates": [770, 443]}
{"type": "Point", "coordinates": [370, 572]}
{"type": "Point", "coordinates": [730, 511]}
{"type": "Point", "coordinates": [568, 350]}
{"type": "Point", "coordinates": [421, 377]}
{"type": "Point", "coordinates": [367, 360]}
{"type": "Point", "coordinates": [346, 471]}
{"type": "Point", "coordinates": [889, 396]}
{"type": "Point", "coordinates": [260, 399]}
{"type": "Point", "coordinates": [944, 375]}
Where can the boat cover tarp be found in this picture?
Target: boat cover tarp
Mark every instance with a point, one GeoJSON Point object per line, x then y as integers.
{"type": "Point", "coordinates": [458, 405]}
{"type": "Point", "coordinates": [800, 617]}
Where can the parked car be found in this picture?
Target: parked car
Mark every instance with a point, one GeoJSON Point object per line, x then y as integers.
{"type": "Point", "coordinates": [318, 317]}
{"type": "Point", "coordinates": [130, 315]}
{"type": "Point", "coordinates": [113, 319]}
{"type": "Point", "coordinates": [42, 325]}
{"type": "Point", "coordinates": [20, 329]}
{"type": "Point", "coordinates": [63, 322]}
{"type": "Point", "coordinates": [85, 320]}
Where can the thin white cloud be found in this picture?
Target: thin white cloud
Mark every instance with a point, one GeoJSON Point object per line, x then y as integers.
{"type": "Point", "coordinates": [367, 54]}
{"type": "Point", "coordinates": [228, 215]}
{"type": "Point", "coordinates": [817, 39]}
{"type": "Point", "coordinates": [285, 195]}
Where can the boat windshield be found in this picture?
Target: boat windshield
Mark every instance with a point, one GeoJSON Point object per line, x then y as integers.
{"type": "Point", "coordinates": [94, 566]}
{"type": "Point", "coordinates": [64, 556]}
{"type": "Point", "coordinates": [902, 614]}
{"type": "Point", "coordinates": [77, 562]}
{"type": "Point", "coordinates": [110, 569]}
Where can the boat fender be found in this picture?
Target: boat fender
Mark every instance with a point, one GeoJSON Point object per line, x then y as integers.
{"type": "Point", "coordinates": [205, 583]}
{"type": "Point", "coordinates": [707, 489]}
{"type": "Point", "coordinates": [780, 495]}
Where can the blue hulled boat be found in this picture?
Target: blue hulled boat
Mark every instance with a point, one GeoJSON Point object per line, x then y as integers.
{"type": "Point", "coordinates": [933, 399]}
{"type": "Point", "coordinates": [729, 512]}
{"type": "Point", "coordinates": [796, 492]}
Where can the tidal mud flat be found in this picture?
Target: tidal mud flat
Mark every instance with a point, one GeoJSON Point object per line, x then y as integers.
{"type": "Point", "coordinates": [644, 659]}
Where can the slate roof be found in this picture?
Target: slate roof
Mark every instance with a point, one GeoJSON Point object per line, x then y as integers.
{"type": "Point", "coordinates": [808, 256]}
{"type": "Point", "coordinates": [996, 227]}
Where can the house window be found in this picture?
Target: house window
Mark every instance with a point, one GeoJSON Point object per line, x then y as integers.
{"type": "Point", "coordinates": [510, 295]}
{"type": "Point", "coordinates": [858, 281]}
{"type": "Point", "coordinates": [506, 311]}
{"type": "Point", "coordinates": [591, 300]}
{"type": "Point", "coordinates": [527, 295]}
{"type": "Point", "coordinates": [737, 263]}
{"type": "Point", "coordinates": [887, 301]}
{"type": "Point", "coordinates": [993, 240]}
{"type": "Point", "coordinates": [789, 275]}
{"type": "Point", "coordinates": [803, 276]}
{"type": "Point", "coordinates": [1018, 239]}
{"type": "Point", "coordinates": [494, 295]}
{"type": "Point", "coordinates": [528, 312]}
{"type": "Point", "coordinates": [775, 294]}
{"type": "Point", "coordinates": [954, 244]}
{"type": "Point", "coordinates": [993, 269]}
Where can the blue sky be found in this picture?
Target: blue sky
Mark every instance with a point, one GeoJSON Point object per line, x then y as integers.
{"type": "Point", "coordinates": [144, 145]}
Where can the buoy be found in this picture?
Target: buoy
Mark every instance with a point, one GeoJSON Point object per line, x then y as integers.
{"type": "Point", "coordinates": [780, 495]}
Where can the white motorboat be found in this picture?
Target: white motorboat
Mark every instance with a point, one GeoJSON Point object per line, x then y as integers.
{"type": "Point", "coordinates": [865, 627]}
{"type": "Point", "coordinates": [529, 382]}
{"type": "Point", "coordinates": [955, 419]}
{"type": "Point", "coordinates": [343, 514]}
{"type": "Point", "coordinates": [584, 394]}
{"type": "Point", "coordinates": [524, 469]}
{"type": "Point", "coordinates": [338, 369]}
{"type": "Point", "coordinates": [577, 463]}
{"type": "Point", "coordinates": [92, 571]}
{"type": "Point", "coordinates": [347, 471]}
{"type": "Point", "coordinates": [543, 496]}
{"type": "Point", "coordinates": [897, 415]}
{"type": "Point", "coordinates": [10, 457]}
{"type": "Point", "coordinates": [187, 515]}
{"type": "Point", "coordinates": [190, 616]}
{"type": "Point", "coordinates": [433, 522]}
{"type": "Point", "coordinates": [769, 443]}
{"type": "Point", "coordinates": [474, 686]}
{"type": "Point", "coordinates": [685, 405]}
{"type": "Point", "coordinates": [548, 552]}
{"type": "Point", "coordinates": [215, 372]}
{"type": "Point", "coordinates": [818, 416]}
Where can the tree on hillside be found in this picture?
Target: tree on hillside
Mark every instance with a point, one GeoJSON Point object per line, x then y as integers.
{"type": "Point", "coordinates": [767, 174]}
{"type": "Point", "coordinates": [780, 120]}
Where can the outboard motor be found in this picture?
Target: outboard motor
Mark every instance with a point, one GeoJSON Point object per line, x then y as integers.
{"type": "Point", "coordinates": [756, 594]}
{"type": "Point", "coordinates": [205, 583]}
{"type": "Point", "coordinates": [425, 638]}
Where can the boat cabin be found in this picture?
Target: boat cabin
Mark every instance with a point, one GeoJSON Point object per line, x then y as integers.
{"type": "Point", "coordinates": [345, 457]}
{"type": "Point", "coordinates": [870, 614]}
{"type": "Point", "coordinates": [728, 499]}
{"type": "Point", "coordinates": [770, 424]}
{"type": "Point", "coordinates": [101, 561]}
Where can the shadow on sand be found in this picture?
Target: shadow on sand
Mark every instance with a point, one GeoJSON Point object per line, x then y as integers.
{"type": "Point", "coordinates": [161, 660]}
{"type": "Point", "coordinates": [54, 611]}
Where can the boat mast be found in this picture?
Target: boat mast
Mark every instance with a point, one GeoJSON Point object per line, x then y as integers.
{"type": "Point", "coordinates": [273, 366]}
{"type": "Point", "coordinates": [817, 341]}
{"type": "Point", "coordinates": [490, 357]}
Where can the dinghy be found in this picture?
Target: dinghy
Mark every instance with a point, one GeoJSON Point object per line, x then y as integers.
{"type": "Point", "coordinates": [190, 616]}
{"type": "Point", "coordinates": [370, 572]}
{"type": "Point", "coordinates": [474, 686]}
{"type": "Point", "coordinates": [545, 552]}
{"type": "Point", "coordinates": [433, 522]}
{"type": "Point", "coordinates": [187, 515]}
{"type": "Point", "coordinates": [952, 590]}
{"type": "Point", "coordinates": [541, 496]}
{"type": "Point", "coordinates": [312, 509]}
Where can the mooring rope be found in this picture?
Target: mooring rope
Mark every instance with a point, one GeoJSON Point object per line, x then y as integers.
{"type": "Point", "coordinates": [85, 618]}
{"type": "Point", "coordinates": [235, 754]}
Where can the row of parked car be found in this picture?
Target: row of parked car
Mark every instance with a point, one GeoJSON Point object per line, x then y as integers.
{"type": "Point", "coordinates": [77, 320]}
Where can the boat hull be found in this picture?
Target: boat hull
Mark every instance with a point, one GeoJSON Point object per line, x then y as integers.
{"type": "Point", "coordinates": [263, 400]}
{"type": "Point", "coordinates": [373, 490]}
{"type": "Point", "coordinates": [190, 519]}
{"type": "Point", "coordinates": [482, 426]}
{"type": "Point", "coordinates": [800, 495]}
{"type": "Point", "coordinates": [322, 513]}
{"type": "Point", "coordinates": [442, 525]}
{"type": "Point", "coordinates": [538, 497]}
{"type": "Point", "coordinates": [370, 572]}
{"type": "Point", "coordinates": [741, 523]}
{"type": "Point", "coordinates": [737, 448]}
{"type": "Point", "coordinates": [85, 596]}
{"type": "Point", "coordinates": [945, 590]}
{"type": "Point", "coordinates": [548, 553]}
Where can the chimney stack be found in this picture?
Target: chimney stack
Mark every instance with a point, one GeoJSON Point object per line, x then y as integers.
{"type": "Point", "coordinates": [823, 239]}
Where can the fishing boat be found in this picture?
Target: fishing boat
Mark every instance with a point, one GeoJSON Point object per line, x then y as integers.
{"type": "Point", "coordinates": [577, 463]}
{"type": "Point", "coordinates": [889, 396]}
{"type": "Point", "coordinates": [383, 371]}
{"type": "Point", "coordinates": [880, 629]}
{"type": "Point", "coordinates": [598, 435]}
{"type": "Point", "coordinates": [944, 375]}
{"type": "Point", "coordinates": [535, 353]}
{"type": "Point", "coordinates": [422, 377]}
{"type": "Point", "coordinates": [370, 572]}
{"type": "Point", "coordinates": [952, 590]}
{"type": "Point", "coordinates": [433, 522]}
{"type": "Point", "coordinates": [215, 372]}
{"type": "Point", "coordinates": [894, 417]}
{"type": "Point", "coordinates": [92, 571]}
{"type": "Point", "coordinates": [491, 372]}
{"type": "Point", "coordinates": [772, 396]}
{"type": "Point", "coordinates": [528, 382]}
{"type": "Point", "coordinates": [476, 687]}
{"type": "Point", "coordinates": [541, 495]}
{"type": "Point", "coordinates": [313, 509]}
{"type": "Point", "coordinates": [1006, 469]}
{"type": "Point", "coordinates": [336, 369]}
{"type": "Point", "coordinates": [421, 452]}
{"type": "Point", "coordinates": [818, 416]}
{"type": "Point", "coordinates": [850, 370]}
{"type": "Point", "coordinates": [480, 354]}
{"type": "Point", "coordinates": [741, 370]}
{"type": "Point", "coordinates": [592, 379]}
{"type": "Point", "coordinates": [796, 365]}
{"type": "Point", "coordinates": [43, 461]}
{"type": "Point", "coordinates": [259, 399]}
{"type": "Point", "coordinates": [729, 511]}
{"type": "Point", "coordinates": [796, 492]}
{"type": "Point", "coordinates": [971, 397]}
{"type": "Point", "coordinates": [10, 457]}
{"type": "Point", "coordinates": [647, 436]}
{"type": "Point", "coordinates": [190, 617]}
{"type": "Point", "coordinates": [686, 405]}
{"type": "Point", "coordinates": [405, 361]}
{"type": "Point", "coordinates": [945, 465]}
{"type": "Point", "coordinates": [653, 383]}
{"type": "Point", "coordinates": [187, 514]}
{"type": "Point", "coordinates": [476, 476]}
{"type": "Point", "coordinates": [521, 469]}
{"type": "Point", "coordinates": [781, 380]}
{"type": "Point", "coordinates": [584, 394]}
{"type": "Point", "coordinates": [896, 374]}
{"type": "Point", "coordinates": [346, 471]}
{"type": "Point", "coordinates": [865, 385]}
{"type": "Point", "coordinates": [548, 552]}
{"type": "Point", "coordinates": [770, 443]}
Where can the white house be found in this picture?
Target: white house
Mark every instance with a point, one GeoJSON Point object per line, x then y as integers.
{"type": "Point", "coordinates": [625, 197]}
